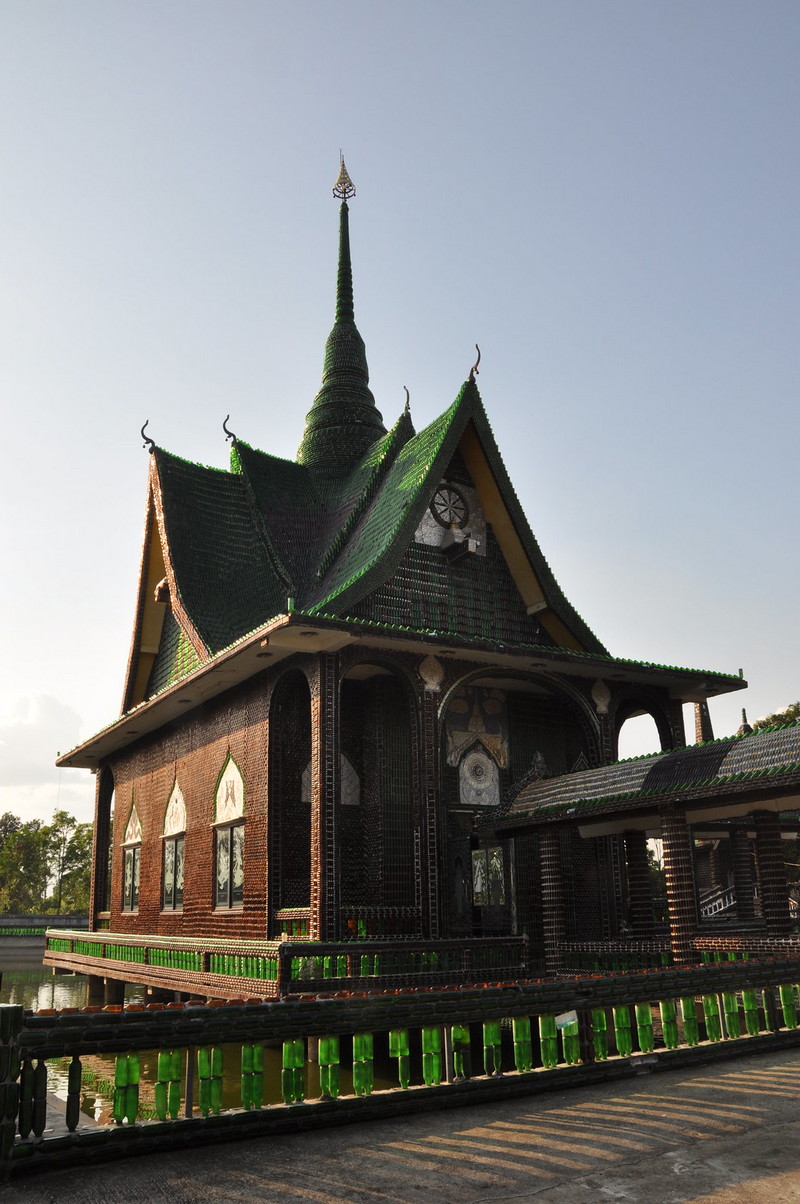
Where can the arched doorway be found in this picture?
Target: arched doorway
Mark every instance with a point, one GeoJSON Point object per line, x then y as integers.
{"type": "Point", "coordinates": [379, 815]}
{"type": "Point", "coordinates": [289, 858]}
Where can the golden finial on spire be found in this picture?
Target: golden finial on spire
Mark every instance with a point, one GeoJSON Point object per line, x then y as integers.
{"type": "Point", "coordinates": [344, 187]}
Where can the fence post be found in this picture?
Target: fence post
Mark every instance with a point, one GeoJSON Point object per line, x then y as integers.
{"type": "Point", "coordinates": [10, 1027]}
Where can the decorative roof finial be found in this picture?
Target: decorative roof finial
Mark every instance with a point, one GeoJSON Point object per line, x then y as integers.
{"type": "Point", "coordinates": [148, 442]}
{"type": "Point", "coordinates": [344, 187]}
{"type": "Point", "coordinates": [473, 372]}
{"type": "Point", "coordinates": [229, 435]}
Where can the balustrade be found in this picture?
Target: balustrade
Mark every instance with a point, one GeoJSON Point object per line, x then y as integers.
{"type": "Point", "coordinates": [446, 1043]}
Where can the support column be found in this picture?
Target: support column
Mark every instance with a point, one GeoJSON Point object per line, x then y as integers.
{"type": "Point", "coordinates": [99, 890]}
{"type": "Point", "coordinates": [772, 873]}
{"type": "Point", "coordinates": [640, 893]}
{"type": "Point", "coordinates": [325, 792]}
{"type": "Point", "coordinates": [429, 825]}
{"type": "Point", "coordinates": [742, 874]}
{"type": "Point", "coordinates": [679, 875]}
{"type": "Point", "coordinates": [553, 911]}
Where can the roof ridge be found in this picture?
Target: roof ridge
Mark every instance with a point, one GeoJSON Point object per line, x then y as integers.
{"type": "Point", "coordinates": [445, 420]}
{"type": "Point", "coordinates": [381, 467]}
{"type": "Point", "coordinates": [260, 523]}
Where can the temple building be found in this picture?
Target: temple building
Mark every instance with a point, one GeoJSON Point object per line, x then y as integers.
{"type": "Point", "coordinates": [365, 737]}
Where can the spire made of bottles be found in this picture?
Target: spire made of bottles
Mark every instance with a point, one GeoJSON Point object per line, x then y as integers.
{"type": "Point", "coordinates": [343, 421]}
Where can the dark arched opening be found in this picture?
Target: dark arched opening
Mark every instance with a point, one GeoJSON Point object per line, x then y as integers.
{"type": "Point", "coordinates": [289, 865]}
{"type": "Point", "coordinates": [380, 888]}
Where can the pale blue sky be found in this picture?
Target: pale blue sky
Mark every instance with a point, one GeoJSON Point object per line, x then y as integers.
{"type": "Point", "coordinates": [604, 195]}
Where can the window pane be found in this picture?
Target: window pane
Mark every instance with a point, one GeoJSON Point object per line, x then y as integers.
{"type": "Point", "coordinates": [127, 888]}
{"type": "Point", "coordinates": [169, 873]}
{"type": "Point", "coordinates": [223, 836]}
{"type": "Point", "coordinates": [179, 871]}
{"type": "Point", "coordinates": [237, 875]}
{"type": "Point", "coordinates": [135, 896]}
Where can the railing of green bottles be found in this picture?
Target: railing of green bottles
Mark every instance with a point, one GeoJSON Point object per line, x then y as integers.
{"type": "Point", "coordinates": [302, 967]}
{"type": "Point", "coordinates": [614, 956]}
{"type": "Point", "coordinates": [22, 931]}
{"type": "Point", "coordinates": [354, 963]}
{"type": "Point", "coordinates": [536, 1035]}
{"type": "Point", "coordinates": [244, 966]}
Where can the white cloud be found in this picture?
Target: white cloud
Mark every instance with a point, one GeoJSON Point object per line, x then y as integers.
{"type": "Point", "coordinates": [33, 729]}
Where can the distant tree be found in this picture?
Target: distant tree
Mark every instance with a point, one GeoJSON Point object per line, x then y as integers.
{"type": "Point", "coordinates": [778, 718]}
{"type": "Point", "coordinates": [24, 869]}
{"type": "Point", "coordinates": [69, 854]}
{"type": "Point", "coordinates": [8, 824]}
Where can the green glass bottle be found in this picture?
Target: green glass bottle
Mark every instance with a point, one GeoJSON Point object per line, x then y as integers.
{"type": "Point", "coordinates": [460, 1043]}
{"type": "Point", "coordinates": [712, 1018]}
{"type": "Point", "coordinates": [399, 1048]}
{"type": "Point", "coordinates": [431, 1055]}
{"type": "Point", "coordinates": [363, 1051]}
{"type": "Point", "coordinates": [644, 1027]}
{"type": "Point", "coordinates": [120, 1088]}
{"type": "Point", "coordinates": [328, 1059]}
{"type": "Point", "coordinates": [752, 1023]}
{"type": "Point", "coordinates": [599, 1034]}
{"type": "Point", "coordinates": [622, 1030]}
{"type": "Point", "coordinates": [571, 1043]}
{"type": "Point", "coordinates": [669, 1023]}
{"type": "Point", "coordinates": [523, 1045]}
{"type": "Point", "coordinates": [691, 1029]}
{"type": "Point", "coordinates": [730, 1007]}
{"type": "Point", "coordinates": [788, 1007]}
{"type": "Point", "coordinates": [548, 1041]}
{"type": "Point", "coordinates": [293, 1072]}
{"type": "Point", "coordinates": [74, 1085]}
{"type": "Point", "coordinates": [491, 1048]}
{"type": "Point", "coordinates": [258, 1076]}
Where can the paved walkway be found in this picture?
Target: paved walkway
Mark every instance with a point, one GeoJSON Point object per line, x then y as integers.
{"type": "Point", "coordinates": [725, 1134]}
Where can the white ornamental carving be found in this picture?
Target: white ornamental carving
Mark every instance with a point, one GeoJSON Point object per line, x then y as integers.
{"type": "Point", "coordinates": [175, 818]}
{"type": "Point", "coordinates": [133, 832]}
{"type": "Point", "coordinates": [230, 794]}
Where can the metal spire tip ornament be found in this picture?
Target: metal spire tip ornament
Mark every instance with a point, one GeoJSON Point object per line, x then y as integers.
{"type": "Point", "coordinates": [344, 187]}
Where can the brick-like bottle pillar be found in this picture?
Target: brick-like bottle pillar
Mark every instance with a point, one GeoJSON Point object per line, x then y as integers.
{"type": "Point", "coordinates": [553, 910]}
{"type": "Point", "coordinates": [640, 894]}
{"type": "Point", "coordinates": [679, 874]}
{"type": "Point", "coordinates": [703, 731]}
{"type": "Point", "coordinates": [742, 873]}
{"type": "Point", "coordinates": [325, 754]}
{"type": "Point", "coordinates": [429, 766]}
{"type": "Point", "coordinates": [772, 873]}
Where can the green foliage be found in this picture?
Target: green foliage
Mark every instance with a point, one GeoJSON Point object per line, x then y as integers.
{"type": "Point", "coordinates": [779, 718]}
{"type": "Point", "coordinates": [44, 868]}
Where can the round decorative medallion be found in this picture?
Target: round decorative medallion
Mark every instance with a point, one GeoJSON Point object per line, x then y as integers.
{"type": "Point", "coordinates": [449, 507]}
{"type": "Point", "coordinates": [479, 781]}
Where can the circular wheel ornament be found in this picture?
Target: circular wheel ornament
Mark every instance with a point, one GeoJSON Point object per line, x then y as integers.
{"type": "Point", "coordinates": [449, 507]}
{"type": "Point", "coordinates": [479, 780]}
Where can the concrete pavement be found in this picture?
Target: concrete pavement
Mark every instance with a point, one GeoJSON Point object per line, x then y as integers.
{"type": "Point", "coordinates": [722, 1134]}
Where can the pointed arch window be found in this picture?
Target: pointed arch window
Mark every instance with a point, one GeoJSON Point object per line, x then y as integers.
{"type": "Point", "coordinates": [173, 852]}
{"type": "Point", "coordinates": [229, 837]}
{"type": "Point", "coordinates": [132, 851]}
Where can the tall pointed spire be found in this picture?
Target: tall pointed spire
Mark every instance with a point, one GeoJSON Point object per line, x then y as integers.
{"type": "Point", "coordinates": [343, 420]}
